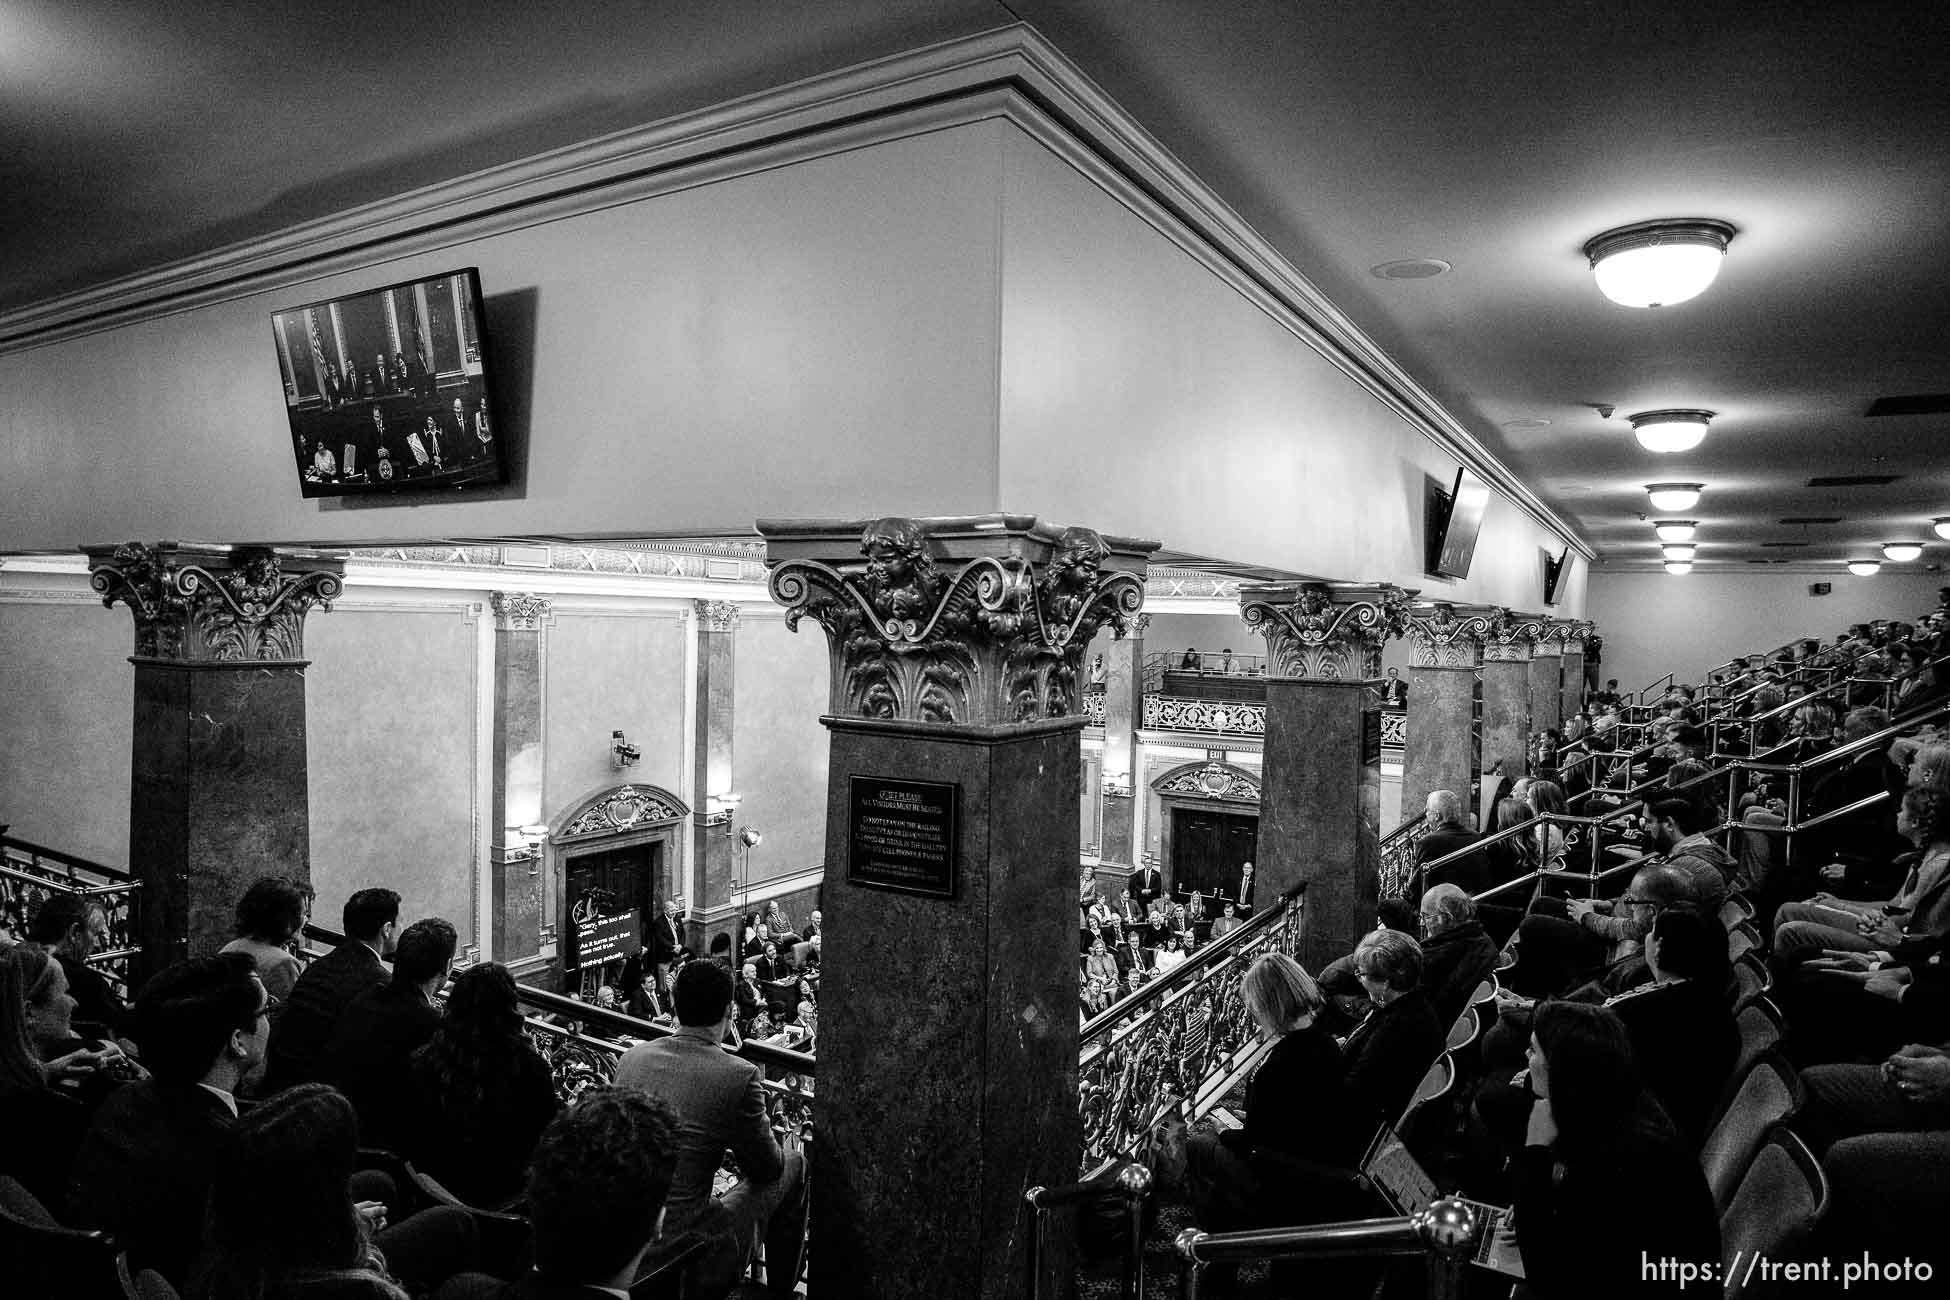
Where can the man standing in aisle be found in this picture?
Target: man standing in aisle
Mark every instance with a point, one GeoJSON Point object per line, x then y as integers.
{"type": "Point", "coordinates": [1144, 888]}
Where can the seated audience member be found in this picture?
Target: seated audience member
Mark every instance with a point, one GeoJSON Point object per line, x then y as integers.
{"type": "Point", "coordinates": [1347, 998]}
{"type": "Point", "coordinates": [815, 923]}
{"type": "Point", "coordinates": [1456, 954]}
{"type": "Point", "coordinates": [1446, 835]}
{"type": "Point", "coordinates": [1546, 798]}
{"type": "Point", "coordinates": [1230, 918]}
{"type": "Point", "coordinates": [1680, 1024]}
{"type": "Point", "coordinates": [269, 917]}
{"type": "Point", "coordinates": [719, 1104]}
{"type": "Point", "coordinates": [768, 963]}
{"type": "Point", "coordinates": [91, 1068]}
{"type": "Point", "coordinates": [1598, 1150]}
{"type": "Point", "coordinates": [144, 1170]}
{"type": "Point", "coordinates": [1513, 855]}
{"type": "Point", "coordinates": [1133, 955]}
{"type": "Point", "coordinates": [784, 934]}
{"type": "Point", "coordinates": [328, 985]}
{"type": "Point", "coordinates": [283, 1223]}
{"type": "Point", "coordinates": [478, 1092]}
{"type": "Point", "coordinates": [1883, 1132]}
{"type": "Point", "coordinates": [1919, 910]}
{"type": "Point", "coordinates": [1396, 913]}
{"type": "Point", "coordinates": [1157, 927]}
{"type": "Point", "coordinates": [596, 1192]}
{"type": "Point", "coordinates": [1171, 956]}
{"type": "Point", "coordinates": [1099, 978]}
{"type": "Point", "coordinates": [44, 1123]}
{"type": "Point", "coordinates": [634, 992]}
{"type": "Point", "coordinates": [1555, 956]}
{"type": "Point", "coordinates": [72, 928]}
{"type": "Point", "coordinates": [1389, 1051]}
{"type": "Point", "coordinates": [720, 950]}
{"type": "Point", "coordinates": [750, 999]}
{"type": "Point", "coordinates": [1291, 1103]}
{"type": "Point", "coordinates": [366, 1059]}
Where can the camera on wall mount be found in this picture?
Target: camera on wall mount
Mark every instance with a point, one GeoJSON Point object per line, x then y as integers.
{"type": "Point", "coordinates": [622, 753]}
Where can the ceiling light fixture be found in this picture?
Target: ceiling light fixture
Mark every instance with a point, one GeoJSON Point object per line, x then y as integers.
{"type": "Point", "coordinates": [1675, 530]}
{"type": "Point", "coordinates": [1658, 263]}
{"type": "Point", "coordinates": [1902, 552]}
{"type": "Point", "coordinates": [1679, 567]}
{"type": "Point", "coordinates": [1674, 430]}
{"type": "Point", "coordinates": [1864, 568]}
{"type": "Point", "coordinates": [1678, 552]}
{"type": "Point", "coordinates": [1942, 527]}
{"type": "Point", "coordinates": [1677, 496]}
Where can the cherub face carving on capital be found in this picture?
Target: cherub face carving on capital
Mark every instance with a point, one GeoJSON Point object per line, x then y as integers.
{"type": "Point", "coordinates": [900, 571]}
{"type": "Point", "coordinates": [1074, 568]}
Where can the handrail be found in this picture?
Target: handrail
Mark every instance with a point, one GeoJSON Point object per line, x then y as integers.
{"type": "Point", "coordinates": [1447, 1232]}
{"type": "Point", "coordinates": [70, 860]}
{"type": "Point", "coordinates": [1126, 1180]}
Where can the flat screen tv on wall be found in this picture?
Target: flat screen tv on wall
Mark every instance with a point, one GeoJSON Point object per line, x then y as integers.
{"type": "Point", "coordinates": [387, 390]}
{"type": "Point", "coordinates": [1455, 519]}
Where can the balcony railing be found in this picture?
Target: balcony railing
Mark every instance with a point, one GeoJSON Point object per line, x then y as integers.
{"type": "Point", "coordinates": [1179, 1043]}
{"type": "Point", "coordinates": [1206, 717]}
{"type": "Point", "coordinates": [1398, 850]}
{"type": "Point", "coordinates": [30, 872]}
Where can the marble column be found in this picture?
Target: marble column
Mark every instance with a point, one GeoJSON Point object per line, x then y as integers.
{"type": "Point", "coordinates": [219, 789]}
{"type": "Point", "coordinates": [1319, 820]}
{"type": "Point", "coordinates": [1123, 713]}
{"type": "Point", "coordinates": [1546, 687]}
{"type": "Point", "coordinates": [1506, 698]}
{"type": "Point", "coordinates": [1446, 651]}
{"type": "Point", "coordinates": [1571, 685]}
{"type": "Point", "coordinates": [714, 831]}
{"type": "Point", "coordinates": [948, 1006]}
{"type": "Point", "coordinates": [520, 913]}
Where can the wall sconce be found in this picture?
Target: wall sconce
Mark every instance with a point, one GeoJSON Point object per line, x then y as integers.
{"type": "Point", "coordinates": [1116, 785]}
{"type": "Point", "coordinates": [622, 753]}
{"type": "Point", "coordinates": [718, 808]}
{"type": "Point", "coordinates": [525, 845]}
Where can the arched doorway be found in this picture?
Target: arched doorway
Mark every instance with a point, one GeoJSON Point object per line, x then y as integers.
{"type": "Point", "coordinates": [614, 854]}
{"type": "Point", "coordinates": [1211, 828]}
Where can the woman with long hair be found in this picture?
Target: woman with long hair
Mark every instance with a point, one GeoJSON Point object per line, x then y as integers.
{"type": "Point", "coordinates": [282, 1222]}
{"type": "Point", "coordinates": [1597, 1149]}
{"type": "Point", "coordinates": [1547, 798]}
{"type": "Point", "coordinates": [43, 1126]}
{"type": "Point", "coordinates": [481, 1094]}
{"type": "Point", "coordinates": [1513, 855]}
{"type": "Point", "coordinates": [269, 917]}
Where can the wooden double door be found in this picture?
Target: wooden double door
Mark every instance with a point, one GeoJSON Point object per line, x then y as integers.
{"type": "Point", "coordinates": [1208, 851]}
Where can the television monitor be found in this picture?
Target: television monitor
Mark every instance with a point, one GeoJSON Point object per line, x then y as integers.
{"type": "Point", "coordinates": [1554, 568]}
{"type": "Point", "coordinates": [387, 390]}
{"type": "Point", "coordinates": [1455, 521]}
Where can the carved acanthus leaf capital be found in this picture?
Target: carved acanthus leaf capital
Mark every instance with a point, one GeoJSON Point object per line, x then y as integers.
{"type": "Point", "coordinates": [1569, 634]}
{"type": "Point", "coordinates": [981, 619]}
{"type": "Point", "coordinates": [716, 615]}
{"type": "Point", "coordinates": [1324, 633]}
{"type": "Point", "coordinates": [216, 604]}
{"type": "Point", "coordinates": [520, 611]}
{"type": "Point", "coordinates": [1443, 635]}
{"type": "Point", "coordinates": [1511, 640]}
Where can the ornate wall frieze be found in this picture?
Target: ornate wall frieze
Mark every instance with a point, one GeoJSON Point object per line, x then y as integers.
{"type": "Point", "coordinates": [520, 611]}
{"type": "Point", "coordinates": [980, 619]}
{"type": "Point", "coordinates": [623, 808]}
{"type": "Point", "coordinates": [216, 604]}
{"type": "Point", "coordinates": [1209, 781]}
{"type": "Point", "coordinates": [1511, 640]}
{"type": "Point", "coordinates": [1317, 632]}
{"type": "Point", "coordinates": [1443, 635]}
{"type": "Point", "coordinates": [716, 615]}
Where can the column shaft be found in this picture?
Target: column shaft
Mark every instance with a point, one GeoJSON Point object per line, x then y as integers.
{"type": "Point", "coordinates": [1506, 717]}
{"type": "Point", "coordinates": [515, 865]}
{"type": "Point", "coordinates": [1545, 691]}
{"type": "Point", "coordinates": [1572, 685]}
{"type": "Point", "coordinates": [1441, 751]}
{"type": "Point", "coordinates": [1123, 708]}
{"type": "Point", "coordinates": [714, 839]}
{"type": "Point", "coordinates": [1320, 811]}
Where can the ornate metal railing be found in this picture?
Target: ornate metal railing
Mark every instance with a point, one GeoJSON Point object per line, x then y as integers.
{"type": "Point", "coordinates": [1179, 1043]}
{"type": "Point", "coordinates": [1208, 717]}
{"type": "Point", "coordinates": [1094, 702]}
{"type": "Point", "coordinates": [1398, 849]}
{"type": "Point", "coordinates": [1394, 731]}
{"type": "Point", "coordinates": [30, 872]}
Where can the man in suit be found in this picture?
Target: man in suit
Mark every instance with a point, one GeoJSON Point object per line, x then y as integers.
{"type": "Point", "coordinates": [665, 939]}
{"type": "Point", "coordinates": [329, 985]}
{"type": "Point", "coordinates": [1394, 691]}
{"type": "Point", "coordinates": [719, 1103]}
{"type": "Point", "coordinates": [366, 1056]}
{"type": "Point", "coordinates": [143, 1171]}
{"type": "Point", "coordinates": [72, 928]}
{"type": "Point", "coordinates": [1144, 888]}
{"type": "Point", "coordinates": [1446, 834]}
{"type": "Point", "coordinates": [596, 1191]}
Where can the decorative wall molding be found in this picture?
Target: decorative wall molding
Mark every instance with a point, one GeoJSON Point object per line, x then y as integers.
{"type": "Point", "coordinates": [966, 619]}
{"type": "Point", "coordinates": [1011, 73]}
{"type": "Point", "coordinates": [619, 808]}
{"type": "Point", "coordinates": [1218, 781]}
{"type": "Point", "coordinates": [215, 604]}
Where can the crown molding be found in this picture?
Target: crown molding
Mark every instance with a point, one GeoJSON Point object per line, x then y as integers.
{"type": "Point", "coordinates": [1011, 73]}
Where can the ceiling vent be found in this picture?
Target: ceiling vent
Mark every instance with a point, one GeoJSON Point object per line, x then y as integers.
{"type": "Point", "coordinates": [1915, 404]}
{"type": "Point", "coordinates": [1812, 519]}
{"type": "Point", "coordinates": [1854, 480]}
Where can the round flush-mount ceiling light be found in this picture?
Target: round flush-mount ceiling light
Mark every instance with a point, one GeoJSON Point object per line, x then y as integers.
{"type": "Point", "coordinates": [1864, 568]}
{"type": "Point", "coordinates": [1942, 527]}
{"type": "Point", "coordinates": [1675, 496]}
{"type": "Point", "coordinates": [1678, 552]}
{"type": "Point", "coordinates": [1410, 268]}
{"type": "Point", "coordinates": [1658, 263]}
{"type": "Point", "coordinates": [1679, 567]}
{"type": "Point", "coordinates": [1669, 431]}
{"type": "Point", "coordinates": [1675, 530]}
{"type": "Point", "coordinates": [1902, 552]}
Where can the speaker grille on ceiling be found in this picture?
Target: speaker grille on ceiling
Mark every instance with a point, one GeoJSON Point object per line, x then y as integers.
{"type": "Point", "coordinates": [1914, 404]}
{"type": "Point", "coordinates": [1853, 480]}
{"type": "Point", "coordinates": [1812, 519]}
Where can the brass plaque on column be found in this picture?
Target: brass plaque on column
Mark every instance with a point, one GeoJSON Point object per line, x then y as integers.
{"type": "Point", "coordinates": [901, 835]}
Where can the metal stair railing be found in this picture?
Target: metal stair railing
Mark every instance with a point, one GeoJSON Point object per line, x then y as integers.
{"type": "Point", "coordinates": [1445, 1233]}
{"type": "Point", "coordinates": [1123, 1180]}
{"type": "Point", "coordinates": [29, 872]}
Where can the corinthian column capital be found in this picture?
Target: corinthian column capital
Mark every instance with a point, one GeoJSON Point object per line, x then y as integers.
{"type": "Point", "coordinates": [1324, 632]}
{"type": "Point", "coordinates": [971, 620]}
{"type": "Point", "coordinates": [1512, 639]}
{"type": "Point", "coordinates": [1442, 635]}
{"type": "Point", "coordinates": [216, 604]}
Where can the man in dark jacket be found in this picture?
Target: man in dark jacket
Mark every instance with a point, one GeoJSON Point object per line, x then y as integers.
{"type": "Point", "coordinates": [1456, 953]}
{"type": "Point", "coordinates": [73, 928]}
{"type": "Point", "coordinates": [329, 985]}
{"type": "Point", "coordinates": [143, 1171]}
{"type": "Point", "coordinates": [366, 1056]}
{"type": "Point", "coordinates": [1390, 1051]}
{"type": "Point", "coordinates": [1447, 834]}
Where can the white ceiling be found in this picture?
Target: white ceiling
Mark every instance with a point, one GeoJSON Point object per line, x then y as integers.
{"type": "Point", "coordinates": [1494, 135]}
